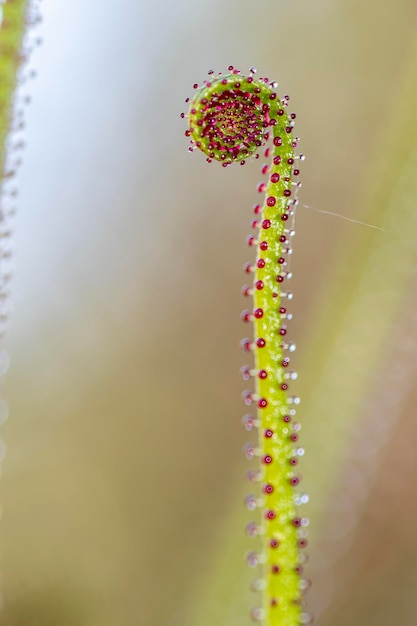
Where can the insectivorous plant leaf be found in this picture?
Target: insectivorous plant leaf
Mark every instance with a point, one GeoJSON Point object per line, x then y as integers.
{"type": "Point", "coordinates": [230, 118]}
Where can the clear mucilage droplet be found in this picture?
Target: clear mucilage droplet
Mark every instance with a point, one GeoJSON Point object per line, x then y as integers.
{"type": "Point", "coordinates": [251, 502]}
{"type": "Point", "coordinates": [259, 584]}
{"type": "Point", "coordinates": [250, 451]}
{"type": "Point", "coordinates": [258, 614]}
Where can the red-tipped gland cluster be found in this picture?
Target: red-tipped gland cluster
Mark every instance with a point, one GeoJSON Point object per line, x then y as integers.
{"type": "Point", "coordinates": [228, 117]}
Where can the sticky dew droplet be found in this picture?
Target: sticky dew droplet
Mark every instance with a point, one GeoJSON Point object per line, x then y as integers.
{"type": "Point", "coordinates": [259, 584]}
{"type": "Point", "coordinates": [251, 502]}
{"type": "Point", "coordinates": [258, 614]}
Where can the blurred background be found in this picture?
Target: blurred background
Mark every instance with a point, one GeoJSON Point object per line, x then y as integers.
{"type": "Point", "coordinates": [124, 478]}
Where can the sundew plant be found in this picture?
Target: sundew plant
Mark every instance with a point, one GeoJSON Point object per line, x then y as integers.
{"type": "Point", "coordinates": [231, 118]}
{"type": "Point", "coordinates": [123, 487]}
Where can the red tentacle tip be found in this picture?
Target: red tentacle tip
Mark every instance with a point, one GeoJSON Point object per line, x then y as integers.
{"type": "Point", "coordinates": [245, 316]}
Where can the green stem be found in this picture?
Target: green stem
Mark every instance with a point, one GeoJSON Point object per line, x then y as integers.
{"type": "Point", "coordinates": [279, 519]}
{"type": "Point", "coordinates": [230, 118]}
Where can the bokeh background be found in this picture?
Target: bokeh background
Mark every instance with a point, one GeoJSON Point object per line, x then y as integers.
{"type": "Point", "coordinates": [123, 483]}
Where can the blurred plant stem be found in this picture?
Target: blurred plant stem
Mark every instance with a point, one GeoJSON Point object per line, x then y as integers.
{"type": "Point", "coordinates": [11, 36]}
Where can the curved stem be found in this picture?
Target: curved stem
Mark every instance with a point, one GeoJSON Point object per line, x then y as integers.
{"type": "Point", "coordinates": [230, 118]}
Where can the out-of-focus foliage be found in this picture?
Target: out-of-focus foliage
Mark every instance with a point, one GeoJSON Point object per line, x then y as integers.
{"type": "Point", "coordinates": [12, 27]}
{"type": "Point", "coordinates": [124, 477]}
